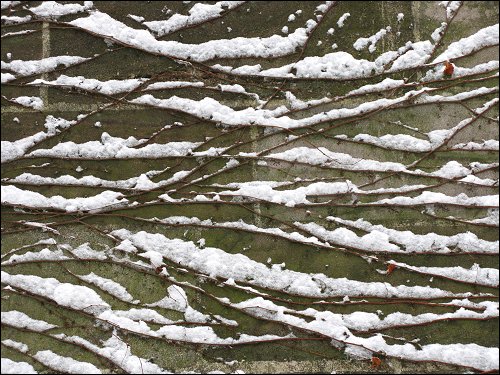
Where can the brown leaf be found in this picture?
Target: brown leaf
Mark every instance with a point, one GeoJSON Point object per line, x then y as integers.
{"type": "Point", "coordinates": [390, 267]}
{"type": "Point", "coordinates": [160, 268]}
{"type": "Point", "coordinates": [448, 68]}
{"type": "Point", "coordinates": [376, 362]}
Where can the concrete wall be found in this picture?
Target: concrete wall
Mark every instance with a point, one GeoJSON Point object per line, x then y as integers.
{"type": "Point", "coordinates": [122, 119]}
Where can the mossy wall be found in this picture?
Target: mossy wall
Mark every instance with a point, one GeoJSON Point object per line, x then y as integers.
{"type": "Point", "coordinates": [124, 119]}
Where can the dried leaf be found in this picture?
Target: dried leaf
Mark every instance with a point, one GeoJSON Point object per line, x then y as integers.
{"type": "Point", "coordinates": [376, 362]}
{"type": "Point", "coordinates": [390, 267]}
{"type": "Point", "coordinates": [448, 68]}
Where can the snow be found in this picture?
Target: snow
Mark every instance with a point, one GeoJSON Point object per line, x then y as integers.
{"type": "Point", "coordinates": [226, 48]}
{"type": "Point", "coordinates": [136, 18]}
{"type": "Point", "coordinates": [291, 197]}
{"type": "Point", "coordinates": [108, 285]}
{"type": "Point", "coordinates": [337, 326]}
{"type": "Point", "coordinates": [17, 33]}
{"type": "Point", "coordinates": [491, 219]}
{"type": "Point", "coordinates": [436, 34]}
{"type": "Point", "coordinates": [232, 88]}
{"type": "Point", "coordinates": [416, 54]}
{"type": "Point", "coordinates": [409, 143]}
{"type": "Point", "coordinates": [9, 366]}
{"type": "Point", "coordinates": [474, 275]}
{"type": "Point", "coordinates": [14, 150]}
{"type": "Point", "coordinates": [21, 320]}
{"type": "Point", "coordinates": [479, 181]}
{"type": "Point", "coordinates": [374, 241]}
{"type": "Point", "coordinates": [458, 97]}
{"type": "Point", "coordinates": [30, 67]}
{"type": "Point", "coordinates": [55, 10]}
{"type": "Point", "coordinates": [300, 104]}
{"type": "Point", "coordinates": [215, 262]}
{"type": "Point", "coordinates": [490, 145]}
{"type": "Point", "coordinates": [386, 84]}
{"type": "Point", "coordinates": [114, 147]}
{"type": "Point", "coordinates": [23, 348]}
{"type": "Point", "coordinates": [196, 334]}
{"type": "Point", "coordinates": [65, 364]}
{"type": "Point", "coordinates": [8, 4]}
{"type": "Point", "coordinates": [64, 294]}
{"type": "Point", "coordinates": [487, 36]}
{"type": "Point", "coordinates": [340, 65]}
{"type": "Point", "coordinates": [119, 353]}
{"type": "Point", "coordinates": [142, 182]}
{"type": "Point", "coordinates": [15, 196]}
{"type": "Point", "coordinates": [265, 191]}
{"type": "Point", "coordinates": [44, 254]}
{"type": "Point", "coordinates": [176, 299]}
{"type": "Point", "coordinates": [459, 71]}
{"type": "Point", "coordinates": [325, 158]}
{"type": "Point", "coordinates": [452, 169]}
{"type": "Point", "coordinates": [110, 87]}
{"type": "Point", "coordinates": [173, 85]}
{"type": "Point", "coordinates": [342, 19]}
{"type": "Point", "coordinates": [429, 197]}
{"type": "Point", "coordinates": [430, 242]}
{"type": "Point", "coordinates": [294, 236]}
{"type": "Point", "coordinates": [29, 101]}
{"type": "Point", "coordinates": [197, 14]}
{"type": "Point", "coordinates": [6, 77]}
{"type": "Point", "coordinates": [146, 315]}
{"type": "Point", "coordinates": [452, 7]}
{"type": "Point", "coordinates": [362, 43]}
{"type": "Point", "coordinates": [213, 110]}
{"type": "Point", "coordinates": [48, 241]}
{"type": "Point", "coordinates": [85, 252]}
{"type": "Point", "coordinates": [12, 20]}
